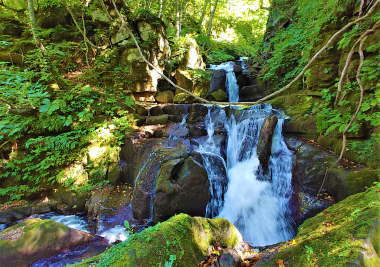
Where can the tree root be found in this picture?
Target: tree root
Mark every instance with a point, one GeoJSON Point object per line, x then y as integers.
{"type": "Point", "coordinates": [348, 61]}
{"type": "Point", "coordinates": [353, 118]}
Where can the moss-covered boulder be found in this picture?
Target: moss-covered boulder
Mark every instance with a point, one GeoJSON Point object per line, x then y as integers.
{"type": "Point", "coordinates": [24, 243]}
{"type": "Point", "coordinates": [180, 241]}
{"type": "Point", "coordinates": [342, 235]}
{"type": "Point", "coordinates": [182, 187]}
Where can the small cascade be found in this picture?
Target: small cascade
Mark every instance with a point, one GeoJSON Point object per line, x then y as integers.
{"type": "Point", "coordinates": [113, 234]}
{"type": "Point", "coordinates": [231, 81]}
{"type": "Point", "coordinates": [258, 207]}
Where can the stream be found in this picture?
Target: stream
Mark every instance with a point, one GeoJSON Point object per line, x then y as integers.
{"type": "Point", "coordinates": [257, 202]}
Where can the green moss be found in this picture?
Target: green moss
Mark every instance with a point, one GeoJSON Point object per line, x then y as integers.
{"type": "Point", "coordinates": [335, 237]}
{"type": "Point", "coordinates": [30, 235]}
{"type": "Point", "coordinates": [219, 95]}
{"type": "Point", "coordinates": [182, 238]}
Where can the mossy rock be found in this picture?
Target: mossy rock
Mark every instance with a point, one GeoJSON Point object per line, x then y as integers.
{"type": "Point", "coordinates": [219, 95]}
{"type": "Point", "coordinates": [342, 235]}
{"type": "Point", "coordinates": [183, 98]}
{"type": "Point", "coordinates": [26, 242]}
{"type": "Point", "coordinates": [341, 183]}
{"type": "Point", "coordinates": [182, 240]}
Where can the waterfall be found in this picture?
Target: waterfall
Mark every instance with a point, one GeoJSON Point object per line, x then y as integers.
{"type": "Point", "coordinates": [258, 207]}
{"type": "Point", "coordinates": [231, 81]}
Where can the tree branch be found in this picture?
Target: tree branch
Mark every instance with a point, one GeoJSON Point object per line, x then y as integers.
{"type": "Point", "coordinates": [311, 61]}
{"type": "Point", "coordinates": [280, 91]}
{"type": "Point", "coordinates": [79, 28]}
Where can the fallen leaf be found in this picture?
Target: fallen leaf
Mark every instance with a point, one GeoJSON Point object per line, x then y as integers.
{"type": "Point", "coordinates": [280, 263]}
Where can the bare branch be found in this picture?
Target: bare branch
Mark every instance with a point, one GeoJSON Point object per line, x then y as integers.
{"type": "Point", "coordinates": [79, 28]}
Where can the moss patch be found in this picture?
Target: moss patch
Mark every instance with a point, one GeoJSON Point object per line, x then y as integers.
{"type": "Point", "coordinates": [182, 240]}
{"type": "Point", "coordinates": [338, 236]}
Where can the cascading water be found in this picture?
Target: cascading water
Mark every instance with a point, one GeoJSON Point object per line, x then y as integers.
{"type": "Point", "coordinates": [258, 207]}
{"type": "Point", "coordinates": [231, 81]}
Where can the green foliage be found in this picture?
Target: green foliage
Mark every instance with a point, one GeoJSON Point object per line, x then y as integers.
{"type": "Point", "coordinates": [52, 129]}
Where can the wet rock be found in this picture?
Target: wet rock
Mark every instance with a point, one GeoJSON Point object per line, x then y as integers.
{"type": "Point", "coordinates": [165, 97]}
{"type": "Point", "coordinates": [197, 130]}
{"type": "Point", "coordinates": [161, 119]}
{"type": "Point", "coordinates": [264, 145]}
{"type": "Point", "coordinates": [175, 118]}
{"type": "Point", "coordinates": [310, 206]}
{"type": "Point", "coordinates": [146, 175]}
{"type": "Point", "coordinates": [243, 80]}
{"type": "Point", "coordinates": [190, 239]}
{"type": "Point", "coordinates": [156, 111]}
{"type": "Point", "coordinates": [218, 81]}
{"type": "Point", "coordinates": [238, 69]}
{"type": "Point", "coordinates": [24, 243]}
{"type": "Point", "coordinates": [107, 205]}
{"type": "Point", "coordinates": [197, 113]}
{"type": "Point", "coordinates": [176, 109]}
{"type": "Point", "coordinates": [182, 187]}
{"type": "Point", "coordinates": [227, 260]}
{"type": "Point", "coordinates": [251, 93]}
{"type": "Point", "coordinates": [133, 156]}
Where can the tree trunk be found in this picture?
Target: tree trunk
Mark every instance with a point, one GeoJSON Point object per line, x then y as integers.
{"type": "Point", "coordinates": [204, 11]}
{"type": "Point", "coordinates": [161, 8]}
{"type": "Point", "coordinates": [179, 18]}
{"type": "Point", "coordinates": [33, 23]}
{"type": "Point", "coordinates": [212, 15]}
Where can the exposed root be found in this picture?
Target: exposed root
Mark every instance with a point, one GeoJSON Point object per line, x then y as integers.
{"type": "Point", "coordinates": [353, 118]}
{"type": "Point", "coordinates": [348, 61]}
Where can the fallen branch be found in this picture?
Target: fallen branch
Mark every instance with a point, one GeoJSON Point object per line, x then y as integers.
{"type": "Point", "coordinates": [348, 61]}
{"type": "Point", "coordinates": [353, 118]}
{"type": "Point", "coordinates": [278, 92]}
{"type": "Point", "coordinates": [79, 28]}
{"type": "Point", "coordinates": [329, 42]}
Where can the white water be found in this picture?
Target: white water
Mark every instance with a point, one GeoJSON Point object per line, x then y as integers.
{"type": "Point", "coordinates": [116, 233]}
{"type": "Point", "coordinates": [231, 82]}
{"type": "Point", "coordinates": [258, 207]}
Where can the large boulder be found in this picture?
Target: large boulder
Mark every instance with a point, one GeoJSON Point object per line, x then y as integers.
{"type": "Point", "coordinates": [345, 234]}
{"type": "Point", "coordinates": [182, 187]}
{"type": "Point", "coordinates": [150, 165]}
{"type": "Point", "coordinates": [192, 58]}
{"type": "Point", "coordinates": [218, 81]}
{"type": "Point", "coordinates": [264, 145]}
{"type": "Point", "coordinates": [251, 92]}
{"type": "Point", "coordinates": [180, 241]}
{"type": "Point", "coordinates": [26, 242]}
{"type": "Point", "coordinates": [156, 49]}
{"type": "Point", "coordinates": [108, 206]}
